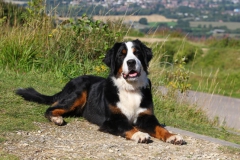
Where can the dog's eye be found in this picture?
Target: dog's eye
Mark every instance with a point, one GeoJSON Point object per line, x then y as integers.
{"type": "Point", "coordinates": [124, 51]}
{"type": "Point", "coordinates": [136, 52]}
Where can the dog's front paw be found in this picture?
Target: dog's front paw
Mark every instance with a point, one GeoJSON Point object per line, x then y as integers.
{"type": "Point", "coordinates": [141, 137]}
{"type": "Point", "coordinates": [57, 120]}
{"type": "Point", "coordinates": [175, 139]}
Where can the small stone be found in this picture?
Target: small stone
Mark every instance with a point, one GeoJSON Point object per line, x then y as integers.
{"type": "Point", "coordinates": [19, 133]}
{"type": "Point", "coordinates": [24, 144]}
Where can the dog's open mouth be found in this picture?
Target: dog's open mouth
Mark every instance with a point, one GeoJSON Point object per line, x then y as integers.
{"type": "Point", "coordinates": [131, 74]}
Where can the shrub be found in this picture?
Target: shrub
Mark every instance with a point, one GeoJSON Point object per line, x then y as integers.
{"type": "Point", "coordinates": [143, 21]}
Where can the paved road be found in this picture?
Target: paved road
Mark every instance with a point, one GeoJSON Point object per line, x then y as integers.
{"type": "Point", "coordinates": [227, 109]}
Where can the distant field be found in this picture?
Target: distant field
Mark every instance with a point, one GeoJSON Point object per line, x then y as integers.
{"type": "Point", "coordinates": [229, 25]}
{"type": "Point", "coordinates": [150, 18]}
{"type": "Point", "coordinates": [169, 24]}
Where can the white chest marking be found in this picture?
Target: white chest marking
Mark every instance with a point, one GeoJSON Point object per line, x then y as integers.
{"type": "Point", "coordinates": [129, 104]}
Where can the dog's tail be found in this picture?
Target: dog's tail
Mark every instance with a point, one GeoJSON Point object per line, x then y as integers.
{"type": "Point", "coordinates": [31, 94]}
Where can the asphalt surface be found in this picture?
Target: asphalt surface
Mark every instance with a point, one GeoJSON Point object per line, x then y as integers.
{"type": "Point", "coordinates": [226, 109]}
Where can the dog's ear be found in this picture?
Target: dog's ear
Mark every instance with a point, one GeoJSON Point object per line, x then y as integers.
{"type": "Point", "coordinates": [111, 56]}
{"type": "Point", "coordinates": [147, 52]}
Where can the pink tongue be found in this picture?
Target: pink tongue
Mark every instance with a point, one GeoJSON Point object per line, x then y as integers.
{"type": "Point", "coordinates": [133, 74]}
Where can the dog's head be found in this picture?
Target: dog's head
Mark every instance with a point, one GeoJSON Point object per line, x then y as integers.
{"type": "Point", "coordinates": [129, 61]}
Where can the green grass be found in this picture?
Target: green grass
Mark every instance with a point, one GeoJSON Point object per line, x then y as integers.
{"type": "Point", "coordinates": [15, 113]}
{"type": "Point", "coordinates": [217, 71]}
{"type": "Point", "coordinates": [5, 156]}
{"type": "Point", "coordinates": [230, 150]}
{"type": "Point", "coordinates": [156, 24]}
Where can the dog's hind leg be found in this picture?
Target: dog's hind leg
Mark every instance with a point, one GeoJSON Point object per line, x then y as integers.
{"type": "Point", "coordinates": [72, 104]}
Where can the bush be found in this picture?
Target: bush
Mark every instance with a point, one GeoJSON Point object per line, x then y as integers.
{"type": "Point", "coordinates": [143, 21]}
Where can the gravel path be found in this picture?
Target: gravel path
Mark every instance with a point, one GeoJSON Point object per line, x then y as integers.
{"type": "Point", "coordinates": [81, 140]}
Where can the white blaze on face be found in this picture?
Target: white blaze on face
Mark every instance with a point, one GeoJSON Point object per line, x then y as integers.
{"type": "Point", "coordinates": [131, 80]}
{"type": "Point", "coordinates": [130, 56]}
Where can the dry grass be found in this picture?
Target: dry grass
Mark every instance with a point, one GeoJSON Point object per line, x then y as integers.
{"type": "Point", "coordinates": [125, 18]}
{"type": "Point", "coordinates": [150, 18]}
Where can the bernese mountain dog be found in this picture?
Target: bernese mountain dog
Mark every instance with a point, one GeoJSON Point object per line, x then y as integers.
{"type": "Point", "coordinates": [120, 104]}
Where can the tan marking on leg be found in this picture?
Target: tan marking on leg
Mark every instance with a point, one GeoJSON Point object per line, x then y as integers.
{"type": "Point", "coordinates": [80, 102]}
{"type": "Point", "coordinates": [58, 112]}
{"type": "Point", "coordinates": [129, 134]}
{"type": "Point", "coordinates": [161, 133]}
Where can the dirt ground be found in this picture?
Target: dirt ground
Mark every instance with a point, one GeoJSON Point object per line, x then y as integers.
{"type": "Point", "coordinates": [81, 140]}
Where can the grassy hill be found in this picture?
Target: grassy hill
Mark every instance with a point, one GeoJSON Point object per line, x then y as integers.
{"type": "Point", "coordinates": [217, 71]}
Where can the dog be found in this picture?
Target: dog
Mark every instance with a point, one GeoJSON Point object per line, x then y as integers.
{"type": "Point", "coordinates": [120, 104]}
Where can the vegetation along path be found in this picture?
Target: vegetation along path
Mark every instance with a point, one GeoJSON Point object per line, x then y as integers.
{"type": "Point", "coordinates": [81, 140]}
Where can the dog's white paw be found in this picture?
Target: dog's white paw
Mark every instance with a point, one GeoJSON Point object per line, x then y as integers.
{"type": "Point", "coordinates": [57, 120]}
{"type": "Point", "coordinates": [141, 137]}
{"type": "Point", "coordinates": [175, 139]}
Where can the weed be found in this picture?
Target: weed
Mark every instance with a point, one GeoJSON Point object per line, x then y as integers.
{"type": "Point", "coordinates": [230, 150]}
{"type": "Point", "coordinates": [5, 156]}
{"type": "Point", "coordinates": [223, 42]}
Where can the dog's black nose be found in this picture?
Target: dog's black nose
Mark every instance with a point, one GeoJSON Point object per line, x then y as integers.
{"type": "Point", "coordinates": [131, 63]}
